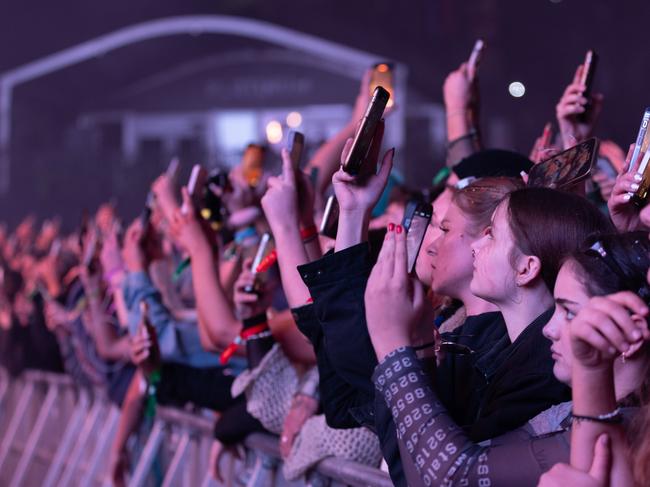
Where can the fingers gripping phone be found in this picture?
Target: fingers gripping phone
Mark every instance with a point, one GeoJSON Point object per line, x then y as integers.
{"type": "Point", "coordinates": [415, 235]}
{"type": "Point", "coordinates": [366, 131]}
{"type": "Point", "coordinates": [382, 75]}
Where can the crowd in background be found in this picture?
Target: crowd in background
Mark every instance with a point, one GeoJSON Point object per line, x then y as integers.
{"type": "Point", "coordinates": [515, 352]}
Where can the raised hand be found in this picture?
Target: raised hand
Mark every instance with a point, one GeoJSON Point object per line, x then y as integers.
{"type": "Point", "coordinates": [624, 214]}
{"type": "Point", "coordinates": [132, 252]}
{"type": "Point", "coordinates": [609, 326]}
{"type": "Point", "coordinates": [248, 305]}
{"type": "Point", "coordinates": [570, 109]}
{"type": "Point", "coordinates": [394, 301]}
{"type": "Point", "coordinates": [186, 229]}
{"type": "Point", "coordinates": [543, 148]}
{"type": "Point", "coordinates": [360, 193]}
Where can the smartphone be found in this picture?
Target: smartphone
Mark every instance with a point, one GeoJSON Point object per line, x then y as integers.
{"type": "Point", "coordinates": [196, 185]}
{"type": "Point", "coordinates": [641, 139]}
{"type": "Point", "coordinates": [382, 75]}
{"type": "Point", "coordinates": [172, 169]}
{"type": "Point", "coordinates": [259, 255]}
{"type": "Point", "coordinates": [296, 146]}
{"type": "Point", "coordinates": [415, 235]}
{"type": "Point", "coordinates": [366, 131]}
{"type": "Point", "coordinates": [587, 79]}
{"type": "Point", "coordinates": [475, 57]}
{"type": "Point", "coordinates": [330, 223]}
{"type": "Point", "coordinates": [566, 168]}
{"type": "Point", "coordinates": [409, 210]}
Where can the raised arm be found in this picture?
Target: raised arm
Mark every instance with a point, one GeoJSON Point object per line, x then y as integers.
{"type": "Point", "coordinates": [217, 320]}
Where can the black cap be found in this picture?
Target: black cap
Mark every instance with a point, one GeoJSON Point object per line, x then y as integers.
{"type": "Point", "coordinates": [493, 163]}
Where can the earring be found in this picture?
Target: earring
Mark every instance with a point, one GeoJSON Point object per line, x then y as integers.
{"type": "Point", "coordinates": [623, 357]}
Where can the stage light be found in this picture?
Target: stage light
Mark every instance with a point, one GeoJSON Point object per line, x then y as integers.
{"type": "Point", "coordinates": [517, 89]}
{"type": "Point", "coordinates": [274, 132]}
{"type": "Point", "coordinates": [294, 119]}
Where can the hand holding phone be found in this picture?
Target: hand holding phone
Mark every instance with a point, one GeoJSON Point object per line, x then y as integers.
{"type": "Point", "coordinates": [566, 169]}
{"type": "Point", "coordinates": [359, 150]}
{"type": "Point", "coordinates": [196, 186]}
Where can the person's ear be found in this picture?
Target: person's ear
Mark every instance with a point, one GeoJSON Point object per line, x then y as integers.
{"type": "Point", "coordinates": [528, 268]}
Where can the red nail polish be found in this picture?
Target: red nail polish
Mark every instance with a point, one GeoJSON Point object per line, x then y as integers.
{"type": "Point", "coordinates": [399, 229]}
{"type": "Point", "coordinates": [391, 227]}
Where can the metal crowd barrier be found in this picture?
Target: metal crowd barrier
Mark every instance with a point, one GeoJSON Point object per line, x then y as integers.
{"type": "Point", "coordinates": [53, 433]}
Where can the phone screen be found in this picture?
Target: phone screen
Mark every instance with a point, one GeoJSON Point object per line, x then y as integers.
{"type": "Point", "coordinates": [566, 168]}
{"type": "Point", "coordinates": [415, 235]}
{"type": "Point", "coordinates": [330, 224]}
{"type": "Point", "coordinates": [382, 75]}
{"type": "Point", "coordinates": [409, 210]}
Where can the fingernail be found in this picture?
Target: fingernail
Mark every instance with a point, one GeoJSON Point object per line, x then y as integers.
{"type": "Point", "coordinates": [634, 186]}
{"type": "Point", "coordinates": [638, 177]}
{"type": "Point", "coordinates": [391, 227]}
{"type": "Point", "coordinates": [625, 346]}
{"type": "Point", "coordinates": [399, 229]}
{"type": "Point", "coordinates": [626, 197]}
{"type": "Point", "coordinates": [636, 335]}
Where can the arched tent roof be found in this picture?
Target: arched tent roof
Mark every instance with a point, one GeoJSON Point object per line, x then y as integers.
{"type": "Point", "coordinates": [348, 60]}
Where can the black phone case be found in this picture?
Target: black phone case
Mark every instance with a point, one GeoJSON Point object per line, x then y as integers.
{"type": "Point", "coordinates": [363, 137]}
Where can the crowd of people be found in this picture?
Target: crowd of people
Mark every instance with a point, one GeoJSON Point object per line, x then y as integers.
{"type": "Point", "coordinates": [514, 353]}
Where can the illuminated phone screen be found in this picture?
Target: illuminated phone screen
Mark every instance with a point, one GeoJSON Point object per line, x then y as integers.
{"type": "Point", "coordinates": [415, 234]}
{"type": "Point", "coordinates": [566, 168]}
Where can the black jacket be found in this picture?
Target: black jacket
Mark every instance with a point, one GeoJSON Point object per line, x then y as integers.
{"type": "Point", "coordinates": [499, 397]}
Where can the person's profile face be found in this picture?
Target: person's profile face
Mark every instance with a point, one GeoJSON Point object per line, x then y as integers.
{"type": "Point", "coordinates": [493, 277]}
{"type": "Point", "coordinates": [451, 254]}
{"type": "Point", "coordinates": [570, 296]}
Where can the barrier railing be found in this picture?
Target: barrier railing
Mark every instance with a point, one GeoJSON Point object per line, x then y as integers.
{"type": "Point", "coordinates": [54, 433]}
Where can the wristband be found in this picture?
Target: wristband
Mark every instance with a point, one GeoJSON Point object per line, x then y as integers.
{"type": "Point", "coordinates": [245, 335]}
{"type": "Point", "coordinates": [308, 233]}
{"type": "Point", "coordinates": [267, 262]}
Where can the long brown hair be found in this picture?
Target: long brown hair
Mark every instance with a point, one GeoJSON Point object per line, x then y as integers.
{"type": "Point", "coordinates": [552, 224]}
{"type": "Point", "coordinates": [478, 200]}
